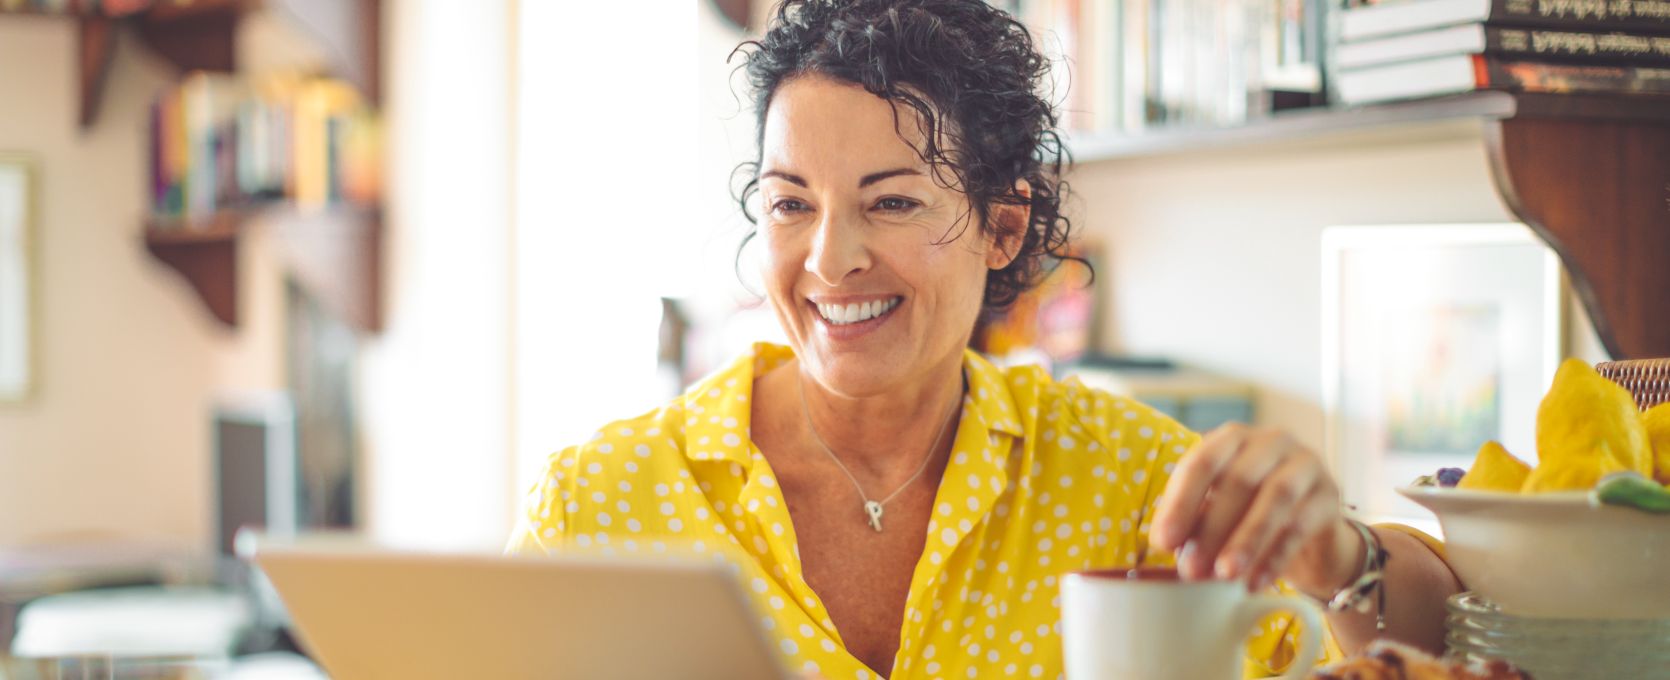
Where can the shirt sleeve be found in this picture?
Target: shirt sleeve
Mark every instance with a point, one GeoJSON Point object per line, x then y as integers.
{"type": "Point", "coordinates": [543, 521]}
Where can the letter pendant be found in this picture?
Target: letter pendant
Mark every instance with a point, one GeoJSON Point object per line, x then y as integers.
{"type": "Point", "coordinates": [873, 509]}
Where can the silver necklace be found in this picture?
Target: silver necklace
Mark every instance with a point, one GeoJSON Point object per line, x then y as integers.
{"type": "Point", "coordinates": [872, 509]}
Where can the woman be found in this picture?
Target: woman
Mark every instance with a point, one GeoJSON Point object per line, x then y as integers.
{"type": "Point", "coordinates": [899, 506]}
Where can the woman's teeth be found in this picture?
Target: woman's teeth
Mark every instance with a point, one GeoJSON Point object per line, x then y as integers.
{"type": "Point", "coordinates": [840, 315]}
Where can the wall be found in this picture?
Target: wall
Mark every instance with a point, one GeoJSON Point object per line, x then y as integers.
{"type": "Point", "coordinates": [435, 388]}
{"type": "Point", "coordinates": [651, 215]}
{"type": "Point", "coordinates": [116, 436]}
{"type": "Point", "coordinates": [1214, 259]}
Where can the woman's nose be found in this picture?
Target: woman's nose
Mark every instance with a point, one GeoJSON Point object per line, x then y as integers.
{"type": "Point", "coordinates": [838, 249]}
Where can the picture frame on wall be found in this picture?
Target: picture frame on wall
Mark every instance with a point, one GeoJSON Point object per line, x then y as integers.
{"type": "Point", "coordinates": [1436, 339]}
{"type": "Point", "coordinates": [17, 276]}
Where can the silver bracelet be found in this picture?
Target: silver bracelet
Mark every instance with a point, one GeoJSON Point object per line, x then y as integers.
{"type": "Point", "coordinates": [1355, 595]}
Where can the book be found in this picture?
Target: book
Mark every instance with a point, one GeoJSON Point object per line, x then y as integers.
{"type": "Point", "coordinates": [159, 176]}
{"type": "Point", "coordinates": [220, 143]}
{"type": "Point", "coordinates": [1122, 66]}
{"type": "Point", "coordinates": [120, 8]}
{"type": "Point", "coordinates": [1135, 86]}
{"type": "Point", "coordinates": [1469, 72]}
{"type": "Point", "coordinates": [1100, 66]}
{"type": "Point", "coordinates": [1530, 43]}
{"type": "Point", "coordinates": [1419, 15]}
{"type": "Point", "coordinates": [207, 103]}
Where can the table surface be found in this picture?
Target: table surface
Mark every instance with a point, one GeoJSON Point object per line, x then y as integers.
{"type": "Point", "coordinates": [265, 666]}
{"type": "Point", "coordinates": [114, 668]}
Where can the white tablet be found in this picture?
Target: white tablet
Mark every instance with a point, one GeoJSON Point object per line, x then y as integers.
{"type": "Point", "coordinates": [373, 613]}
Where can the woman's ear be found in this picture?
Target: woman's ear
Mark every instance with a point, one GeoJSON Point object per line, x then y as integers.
{"type": "Point", "coordinates": [1010, 223]}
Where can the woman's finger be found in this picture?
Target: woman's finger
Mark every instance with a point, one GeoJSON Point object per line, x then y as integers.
{"type": "Point", "coordinates": [1280, 498]}
{"type": "Point", "coordinates": [1319, 510]}
{"type": "Point", "coordinates": [1180, 506]}
{"type": "Point", "coordinates": [1260, 575]}
{"type": "Point", "coordinates": [1228, 500]}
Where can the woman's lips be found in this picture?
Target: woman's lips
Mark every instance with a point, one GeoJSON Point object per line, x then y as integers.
{"type": "Point", "coordinates": [846, 330]}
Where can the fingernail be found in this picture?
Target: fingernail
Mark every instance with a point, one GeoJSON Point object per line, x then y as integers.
{"type": "Point", "coordinates": [1231, 566]}
{"type": "Point", "coordinates": [1185, 560]}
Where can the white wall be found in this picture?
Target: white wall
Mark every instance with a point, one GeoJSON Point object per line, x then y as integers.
{"type": "Point", "coordinates": [623, 197]}
{"type": "Point", "coordinates": [116, 437]}
{"type": "Point", "coordinates": [1214, 259]}
{"type": "Point", "coordinates": [435, 391]}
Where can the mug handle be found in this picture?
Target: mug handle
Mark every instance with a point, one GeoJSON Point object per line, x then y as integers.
{"type": "Point", "coordinates": [1255, 608]}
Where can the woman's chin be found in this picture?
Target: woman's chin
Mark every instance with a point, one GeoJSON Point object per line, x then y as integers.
{"type": "Point", "coordinates": [855, 374]}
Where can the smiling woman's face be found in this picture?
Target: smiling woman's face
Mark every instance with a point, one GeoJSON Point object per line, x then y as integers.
{"type": "Point", "coordinates": [876, 270]}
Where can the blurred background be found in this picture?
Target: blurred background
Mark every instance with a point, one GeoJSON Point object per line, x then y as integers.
{"type": "Point", "coordinates": [360, 265]}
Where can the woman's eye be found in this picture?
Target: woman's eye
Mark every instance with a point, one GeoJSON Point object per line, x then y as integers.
{"type": "Point", "coordinates": [787, 206]}
{"type": "Point", "coordinates": [895, 204]}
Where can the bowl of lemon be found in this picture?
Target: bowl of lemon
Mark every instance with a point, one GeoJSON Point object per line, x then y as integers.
{"type": "Point", "coordinates": [1584, 533]}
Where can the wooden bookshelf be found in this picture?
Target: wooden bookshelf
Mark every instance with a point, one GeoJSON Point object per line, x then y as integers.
{"type": "Point", "coordinates": [201, 35]}
{"type": "Point", "coordinates": [335, 255]}
{"type": "Point", "coordinates": [222, 226]}
{"type": "Point", "coordinates": [1589, 174]}
{"type": "Point", "coordinates": [1594, 184]}
{"type": "Point", "coordinates": [1452, 116]}
{"type": "Point", "coordinates": [1317, 126]}
{"type": "Point", "coordinates": [206, 254]}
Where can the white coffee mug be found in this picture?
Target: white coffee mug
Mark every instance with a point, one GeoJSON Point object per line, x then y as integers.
{"type": "Point", "coordinates": [1149, 625]}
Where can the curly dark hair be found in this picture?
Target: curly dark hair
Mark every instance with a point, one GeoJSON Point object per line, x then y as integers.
{"type": "Point", "coordinates": [972, 75]}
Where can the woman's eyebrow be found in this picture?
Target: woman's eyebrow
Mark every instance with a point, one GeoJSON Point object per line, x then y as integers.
{"type": "Point", "coordinates": [865, 181]}
{"type": "Point", "coordinates": [874, 177]}
{"type": "Point", "coordinates": [795, 179]}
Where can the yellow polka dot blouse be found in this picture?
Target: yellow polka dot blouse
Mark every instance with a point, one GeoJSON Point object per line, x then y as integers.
{"type": "Point", "coordinates": [1045, 478]}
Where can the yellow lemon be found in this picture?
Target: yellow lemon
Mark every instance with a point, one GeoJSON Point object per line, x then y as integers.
{"type": "Point", "coordinates": [1584, 417]}
{"type": "Point", "coordinates": [1495, 470]}
{"type": "Point", "coordinates": [1571, 474]}
{"type": "Point", "coordinates": [1657, 422]}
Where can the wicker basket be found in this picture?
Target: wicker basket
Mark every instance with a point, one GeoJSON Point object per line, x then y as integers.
{"type": "Point", "coordinates": [1647, 379]}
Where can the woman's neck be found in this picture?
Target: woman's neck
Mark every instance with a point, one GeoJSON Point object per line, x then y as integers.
{"type": "Point", "coordinates": [882, 438]}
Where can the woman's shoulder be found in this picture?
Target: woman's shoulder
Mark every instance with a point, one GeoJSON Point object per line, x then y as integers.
{"type": "Point", "coordinates": [720, 399]}
{"type": "Point", "coordinates": [623, 446]}
{"type": "Point", "coordinates": [1048, 405]}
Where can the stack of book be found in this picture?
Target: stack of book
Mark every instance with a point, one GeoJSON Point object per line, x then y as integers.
{"type": "Point", "coordinates": [1423, 48]}
{"type": "Point", "coordinates": [219, 143]}
{"type": "Point", "coordinates": [109, 8]}
{"type": "Point", "coordinates": [1123, 66]}
{"type": "Point", "coordinates": [42, 6]}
